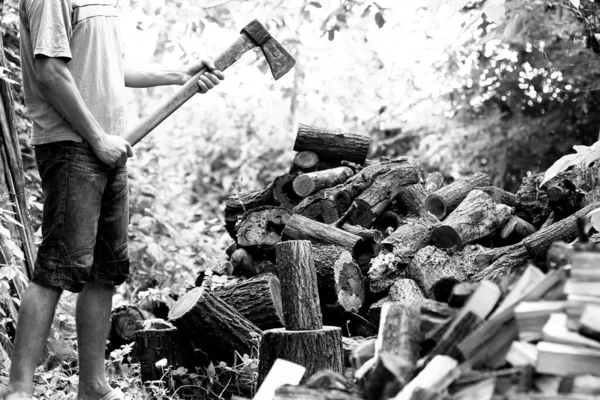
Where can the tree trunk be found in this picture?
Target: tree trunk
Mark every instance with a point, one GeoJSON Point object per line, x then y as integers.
{"type": "Point", "coordinates": [236, 206]}
{"type": "Point", "coordinates": [262, 227]}
{"type": "Point", "coordinates": [153, 345]}
{"type": "Point", "coordinates": [475, 218]}
{"type": "Point", "coordinates": [435, 272]}
{"type": "Point", "coordinates": [257, 299]}
{"type": "Point", "coordinates": [313, 349]}
{"type": "Point", "coordinates": [214, 325]}
{"type": "Point", "coordinates": [299, 292]}
{"type": "Point", "coordinates": [309, 183]}
{"type": "Point", "coordinates": [443, 201]}
{"type": "Point", "coordinates": [332, 145]}
{"type": "Point", "coordinates": [339, 278]}
{"type": "Point", "coordinates": [302, 228]}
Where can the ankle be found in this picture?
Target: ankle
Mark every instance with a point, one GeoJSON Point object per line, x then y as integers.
{"type": "Point", "coordinates": [94, 386]}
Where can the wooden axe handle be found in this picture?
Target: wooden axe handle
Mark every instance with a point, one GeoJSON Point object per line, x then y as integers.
{"type": "Point", "coordinates": [188, 90]}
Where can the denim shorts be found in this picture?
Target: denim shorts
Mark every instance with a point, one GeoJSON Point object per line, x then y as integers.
{"type": "Point", "coordinates": [84, 220]}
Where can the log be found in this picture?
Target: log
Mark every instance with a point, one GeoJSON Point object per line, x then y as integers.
{"type": "Point", "coordinates": [313, 349]}
{"type": "Point", "coordinates": [411, 200]}
{"type": "Point", "coordinates": [387, 222]}
{"type": "Point", "coordinates": [559, 254]}
{"type": "Point", "coordinates": [564, 230]}
{"type": "Point", "coordinates": [304, 161]}
{"type": "Point", "coordinates": [309, 183]}
{"type": "Point", "coordinates": [434, 314]}
{"type": "Point", "coordinates": [564, 198]}
{"type": "Point", "coordinates": [238, 205]}
{"type": "Point", "coordinates": [243, 263]}
{"type": "Point", "coordinates": [461, 293]}
{"type": "Point", "coordinates": [443, 201]}
{"type": "Point", "coordinates": [258, 299]}
{"type": "Point", "coordinates": [289, 392]}
{"type": "Point", "coordinates": [517, 228]}
{"type": "Point", "coordinates": [339, 278]}
{"type": "Point", "coordinates": [283, 191]}
{"type": "Point", "coordinates": [332, 145]}
{"type": "Point", "coordinates": [401, 173]}
{"type": "Point", "coordinates": [434, 181]}
{"type": "Point", "coordinates": [506, 264]}
{"type": "Point", "coordinates": [154, 345]}
{"type": "Point", "coordinates": [319, 206]}
{"type": "Point", "coordinates": [403, 291]}
{"type": "Point", "coordinates": [500, 196]}
{"type": "Point", "coordinates": [435, 272]}
{"type": "Point", "coordinates": [299, 292]}
{"type": "Point", "coordinates": [398, 250]}
{"type": "Point", "coordinates": [458, 329]}
{"type": "Point", "coordinates": [475, 218]}
{"type": "Point", "coordinates": [124, 321]}
{"type": "Point", "coordinates": [215, 325]}
{"type": "Point", "coordinates": [533, 202]}
{"type": "Point", "coordinates": [262, 227]}
{"type": "Point", "coordinates": [302, 228]}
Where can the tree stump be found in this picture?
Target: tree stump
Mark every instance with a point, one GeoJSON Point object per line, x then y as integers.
{"type": "Point", "coordinates": [339, 278]}
{"type": "Point", "coordinates": [213, 324]}
{"type": "Point", "coordinates": [435, 272]}
{"type": "Point", "coordinates": [332, 145]}
{"type": "Point", "coordinates": [302, 228]}
{"type": "Point", "coordinates": [309, 183]}
{"type": "Point", "coordinates": [299, 292]}
{"type": "Point", "coordinates": [262, 227]}
{"type": "Point", "coordinates": [475, 218]}
{"type": "Point", "coordinates": [258, 299]}
{"type": "Point", "coordinates": [153, 345]}
{"type": "Point", "coordinates": [443, 201]}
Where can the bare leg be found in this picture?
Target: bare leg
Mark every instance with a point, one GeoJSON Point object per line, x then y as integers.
{"type": "Point", "coordinates": [35, 319]}
{"type": "Point", "coordinates": [93, 319]}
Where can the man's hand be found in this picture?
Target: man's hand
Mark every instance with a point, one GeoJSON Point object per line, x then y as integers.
{"type": "Point", "coordinates": [112, 150]}
{"type": "Point", "coordinates": [209, 79]}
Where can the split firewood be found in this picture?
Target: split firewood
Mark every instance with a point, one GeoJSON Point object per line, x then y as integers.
{"type": "Point", "coordinates": [153, 345]}
{"type": "Point", "coordinates": [434, 314]}
{"type": "Point", "coordinates": [483, 390]}
{"type": "Point", "coordinates": [283, 191]}
{"type": "Point", "coordinates": [398, 251]}
{"type": "Point", "coordinates": [320, 206]}
{"type": "Point", "coordinates": [309, 183]}
{"type": "Point", "coordinates": [304, 161]}
{"type": "Point", "coordinates": [258, 299]}
{"type": "Point", "coordinates": [435, 272]}
{"type": "Point", "coordinates": [437, 375]}
{"type": "Point", "coordinates": [339, 278]}
{"type": "Point", "coordinates": [434, 181]}
{"type": "Point", "coordinates": [476, 217]}
{"type": "Point", "coordinates": [395, 173]}
{"type": "Point", "coordinates": [262, 227]}
{"type": "Point", "coordinates": [443, 201]}
{"type": "Point", "coordinates": [362, 353]}
{"type": "Point", "coordinates": [517, 229]}
{"type": "Point", "coordinates": [302, 228]}
{"type": "Point", "coordinates": [296, 270]}
{"type": "Point", "coordinates": [331, 144]}
{"type": "Point", "coordinates": [214, 325]}
{"type": "Point", "coordinates": [239, 204]}
{"type": "Point", "coordinates": [500, 196]}
{"type": "Point", "coordinates": [461, 292]}
{"type": "Point", "coordinates": [328, 379]}
{"type": "Point", "coordinates": [589, 323]}
{"type": "Point", "coordinates": [460, 328]}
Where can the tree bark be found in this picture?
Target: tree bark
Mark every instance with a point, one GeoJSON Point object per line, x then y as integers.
{"type": "Point", "coordinates": [313, 349]}
{"type": "Point", "coordinates": [500, 196]}
{"type": "Point", "coordinates": [403, 291]}
{"type": "Point", "coordinates": [309, 183]}
{"type": "Point", "coordinates": [302, 228]}
{"type": "Point", "coordinates": [299, 292]}
{"type": "Point", "coordinates": [434, 181]}
{"type": "Point", "coordinates": [475, 218]}
{"type": "Point", "coordinates": [443, 201]}
{"type": "Point", "coordinates": [319, 206]}
{"type": "Point", "coordinates": [332, 145]}
{"type": "Point", "coordinates": [411, 200]}
{"type": "Point", "coordinates": [517, 228]}
{"type": "Point", "coordinates": [435, 272]}
{"type": "Point", "coordinates": [339, 278]}
{"type": "Point", "coordinates": [258, 299]}
{"type": "Point", "coordinates": [153, 345]}
{"type": "Point", "coordinates": [262, 227]}
{"type": "Point", "coordinates": [236, 206]}
{"type": "Point", "coordinates": [283, 191]}
{"type": "Point", "coordinates": [214, 325]}
{"type": "Point", "coordinates": [289, 392]}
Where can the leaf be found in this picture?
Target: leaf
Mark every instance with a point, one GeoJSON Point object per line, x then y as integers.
{"type": "Point", "coordinates": [591, 157]}
{"type": "Point", "coordinates": [210, 370]}
{"type": "Point", "coordinates": [7, 273]}
{"type": "Point", "coordinates": [161, 363]}
{"type": "Point", "coordinates": [331, 34]}
{"type": "Point", "coordinates": [379, 20]}
{"type": "Point", "coordinates": [594, 216]}
{"type": "Point", "coordinates": [514, 27]}
{"type": "Point", "coordinates": [366, 12]}
{"type": "Point", "coordinates": [496, 13]}
{"type": "Point", "coordinates": [5, 232]}
{"type": "Point", "coordinates": [458, 5]}
{"type": "Point", "coordinates": [576, 3]}
{"type": "Point", "coordinates": [560, 165]}
{"type": "Point", "coordinates": [315, 4]}
{"type": "Point", "coordinates": [434, 5]}
{"type": "Point", "coordinates": [582, 149]}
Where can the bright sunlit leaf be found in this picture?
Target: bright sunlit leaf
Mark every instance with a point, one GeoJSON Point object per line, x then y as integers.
{"type": "Point", "coordinates": [575, 3]}
{"type": "Point", "coordinates": [560, 165]}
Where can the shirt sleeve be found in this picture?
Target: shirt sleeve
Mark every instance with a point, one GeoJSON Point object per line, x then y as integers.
{"type": "Point", "coordinates": [50, 28]}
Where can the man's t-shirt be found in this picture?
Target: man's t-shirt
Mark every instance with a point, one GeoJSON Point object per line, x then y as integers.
{"type": "Point", "coordinates": [86, 34]}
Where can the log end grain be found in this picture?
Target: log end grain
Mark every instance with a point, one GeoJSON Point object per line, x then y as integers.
{"type": "Point", "coordinates": [435, 205]}
{"type": "Point", "coordinates": [306, 160]}
{"type": "Point", "coordinates": [303, 185]}
{"type": "Point", "coordinates": [445, 237]}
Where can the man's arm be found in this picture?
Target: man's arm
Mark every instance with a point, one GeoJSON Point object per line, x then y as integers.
{"type": "Point", "coordinates": [61, 91]}
{"type": "Point", "coordinates": [153, 75]}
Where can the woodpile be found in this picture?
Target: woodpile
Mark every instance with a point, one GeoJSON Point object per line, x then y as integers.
{"type": "Point", "coordinates": [442, 277]}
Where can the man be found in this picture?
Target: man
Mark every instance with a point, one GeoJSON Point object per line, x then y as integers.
{"type": "Point", "coordinates": [73, 80]}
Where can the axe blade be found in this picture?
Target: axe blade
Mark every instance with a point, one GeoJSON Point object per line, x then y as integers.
{"type": "Point", "coordinates": [280, 61]}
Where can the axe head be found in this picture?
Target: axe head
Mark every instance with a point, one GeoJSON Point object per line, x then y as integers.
{"type": "Point", "coordinates": [280, 61]}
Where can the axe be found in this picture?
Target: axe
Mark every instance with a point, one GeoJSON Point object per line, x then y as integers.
{"type": "Point", "coordinates": [254, 34]}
